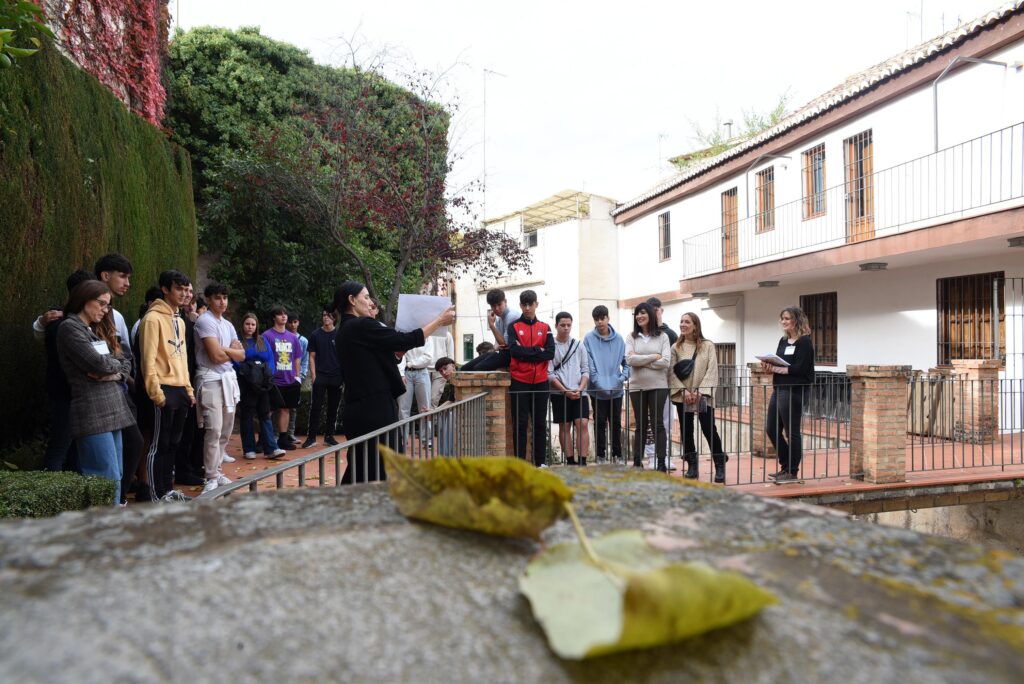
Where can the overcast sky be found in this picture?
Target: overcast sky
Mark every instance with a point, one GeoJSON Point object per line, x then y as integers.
{"type": "Point", "coordinates": [596, 95]}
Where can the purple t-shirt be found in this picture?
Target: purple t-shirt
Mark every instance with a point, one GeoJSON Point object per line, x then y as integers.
{"type": "Point", "coordinates": [285, 347]}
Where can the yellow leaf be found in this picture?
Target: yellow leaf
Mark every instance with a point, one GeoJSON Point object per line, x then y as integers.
{"type": "Point", "coordinates": [632, 597]}
{"type": "Point", "coordinates": [502, 496]}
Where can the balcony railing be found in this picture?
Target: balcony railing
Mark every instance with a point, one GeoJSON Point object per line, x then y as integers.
{"type": "Point", "coordinates": [963, 180]}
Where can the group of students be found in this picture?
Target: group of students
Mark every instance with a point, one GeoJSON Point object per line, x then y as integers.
{"type": "Point", "coordinates": [179, 391]}
{"type": "Point", "coordinates": [656, 367]}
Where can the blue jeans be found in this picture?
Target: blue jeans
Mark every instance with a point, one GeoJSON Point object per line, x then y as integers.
{"type": "Point", "coordinates": [101, 455]}
{"type": "Point", "coordinates": [247, 412]}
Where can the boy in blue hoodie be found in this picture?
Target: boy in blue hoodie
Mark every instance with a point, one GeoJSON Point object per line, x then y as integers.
{"type": "Point", "coordinates": [606, 351]}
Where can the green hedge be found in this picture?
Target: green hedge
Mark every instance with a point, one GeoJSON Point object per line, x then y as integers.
{"type": "Point", "coordinates": [36, 494]}
{"type": "Point", "coordinates": [80, 176]}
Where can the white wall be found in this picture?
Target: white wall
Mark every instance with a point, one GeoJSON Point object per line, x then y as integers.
{"type": "Point", "coordinates": [885, 317]}
{"type": "Point", "coordinates": [973, 178]}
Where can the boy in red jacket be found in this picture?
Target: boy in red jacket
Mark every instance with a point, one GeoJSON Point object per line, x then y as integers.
{"type": "Point", "coordinates": [531, 347]}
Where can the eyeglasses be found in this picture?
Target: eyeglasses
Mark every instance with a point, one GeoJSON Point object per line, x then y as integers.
{"type": "Point", "coordinates": [103, 305]}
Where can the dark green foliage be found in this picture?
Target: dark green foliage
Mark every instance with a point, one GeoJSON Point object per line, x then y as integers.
{"type": "Point", "coordinates": [35, 494]}
{"type": "Point", "coordinates": [29, 455]}
{"type": "Point", "coordinates": [80, 176]}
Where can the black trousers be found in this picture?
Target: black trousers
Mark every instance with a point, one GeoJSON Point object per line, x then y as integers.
{"type": "Point", "coordinates": [707, 426]}
{"type": "Point", "coordinates": [605, 411]}
{"type": "Point", "coordinates": [333, 391]}
{"type": "Point", "coordinates": [361, 418]}
{"type": "Point", "coordinates": [784, 412]}
{"type": "Point", "coordinates": [131, 452]}
{"type": "Point", "coordinates": [530, 403]}
{"type": "Point", "coordinates": [168, 423]}
{"type": "Point", "coordinates": [648, 411]}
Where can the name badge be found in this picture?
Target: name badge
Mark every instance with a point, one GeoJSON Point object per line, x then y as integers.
{"type": "Point", "coordinates": [791, 349]}
{"type": "Point", "coordinates": [101, 347]}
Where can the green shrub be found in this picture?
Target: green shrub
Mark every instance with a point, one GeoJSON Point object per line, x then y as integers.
{"type": "Point", "coordinates": [41, 494]}
{"type": "Point", "coordinates": [80, 176]}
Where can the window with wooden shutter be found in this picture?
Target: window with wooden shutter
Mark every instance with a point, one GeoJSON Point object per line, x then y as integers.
{"type": "Point", "coordinates": [764, 191]}
{"type": "Point", "coordinates": [813, 171]}
{"type": "Point", "coordinates": [821, 312]}
{"type": "Point", "coordinates": [971, 317]}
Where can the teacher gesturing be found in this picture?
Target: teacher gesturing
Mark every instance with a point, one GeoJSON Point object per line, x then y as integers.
{"type": "Point", "coordinates": [790, 383]}
{"type": "Point", "coordinates": [367, 355]}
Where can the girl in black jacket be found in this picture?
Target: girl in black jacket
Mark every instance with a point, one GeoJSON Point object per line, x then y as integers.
{"type": "Point", "coordinates": [790, 383]}
{"type": "Point", "coordinates": [368, 353]}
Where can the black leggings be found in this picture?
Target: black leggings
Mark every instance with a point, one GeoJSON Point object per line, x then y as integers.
{"type": "Point", "coordinates": [648, 412]}
{"type": "Point", "coordinates": [333, 392]}
{"type": "Point", "coordinates": [362, 417]}
{"type": "Point", "coordinates": [707, 426]}
{"type": "Point", "coordinates": [784, 411]}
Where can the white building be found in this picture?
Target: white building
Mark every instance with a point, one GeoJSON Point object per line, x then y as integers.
{"type": "Point", "coordinates": [574, 255]}
{"type": "Point", "coordinates": [889, 216]}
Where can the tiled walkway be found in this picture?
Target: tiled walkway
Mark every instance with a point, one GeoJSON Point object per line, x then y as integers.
{"type": "Point", "coordinates": [825, 471]}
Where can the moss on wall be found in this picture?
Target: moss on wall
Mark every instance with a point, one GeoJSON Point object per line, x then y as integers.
{"type": "Point", "coordinates": [80, 176]}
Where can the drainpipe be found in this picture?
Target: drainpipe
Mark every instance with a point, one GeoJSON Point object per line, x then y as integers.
{"type": "Point", "coordinates": [952, 63]}
{"type": "Point", "coordinates": [746, 185]}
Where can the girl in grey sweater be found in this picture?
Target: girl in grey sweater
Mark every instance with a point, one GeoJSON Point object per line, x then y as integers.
{"type": "Point", "coordinates": [648, 353]}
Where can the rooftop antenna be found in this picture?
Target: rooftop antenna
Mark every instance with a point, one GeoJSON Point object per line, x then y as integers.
{"type": "Point", "coordinates": [728, 129]}
{"type": "Point", "coordinates": [487, 72]}
{"type": "Point", "coordinates": [661, 136]}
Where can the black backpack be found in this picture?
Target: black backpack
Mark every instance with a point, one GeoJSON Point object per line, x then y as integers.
{"type": "Point", "coordinates": [255, 374]}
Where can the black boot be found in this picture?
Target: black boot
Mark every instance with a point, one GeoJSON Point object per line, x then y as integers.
{"type": "Point", "coordinates": [662, 468]}
{"type": "Point", "coordinates": [692, 470]}
{"type": "Point", "coordinates": [583, 461]}
{"type": "Point", "coordinates": [719, 460]}
{"type": "Point", "coordinates": [638, 463]}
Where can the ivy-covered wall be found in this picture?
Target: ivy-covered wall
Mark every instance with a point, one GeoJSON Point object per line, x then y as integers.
{"type": "Point", "coordinates": [80, 176]}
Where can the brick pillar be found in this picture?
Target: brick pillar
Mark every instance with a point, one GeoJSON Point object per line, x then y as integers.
{"type": "Point", "coordinates": [976, 407]}
{"type": "Point", "coordinates": [497, 407]}
{"type": "Point", "coordinates": [878, 423]}
{"type": "Point", "coordinates": [761, 391]}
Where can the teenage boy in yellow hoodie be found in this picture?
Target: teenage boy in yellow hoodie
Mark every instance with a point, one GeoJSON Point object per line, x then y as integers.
{"type": "Point", "coordinates": [164, 366]}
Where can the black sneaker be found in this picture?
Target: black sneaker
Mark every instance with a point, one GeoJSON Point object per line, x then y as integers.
{"type": "Point", "coordinates": [188, 479]}
{"type": "Point", "coordinates": [330, 441]}
{"type": "Point", "coordinates": [570, 461]}
{"type": "Point", "coordinates": [784, 477]}
{"type": "Point", "coordinates": [777, 473]}
{"type": "Point", "coordinates": [310, 441]}
{"type": "Point", "coordinates": [286, 445]}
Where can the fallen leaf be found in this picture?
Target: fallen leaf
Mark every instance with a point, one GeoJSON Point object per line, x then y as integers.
{"type": "Point", "coordinates": [632, 597]}
{"type": "Point", "coordinates": [502, 496]}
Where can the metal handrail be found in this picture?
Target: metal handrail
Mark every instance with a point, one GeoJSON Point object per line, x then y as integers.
{"type": "Point", "coordinates": [251, 482]}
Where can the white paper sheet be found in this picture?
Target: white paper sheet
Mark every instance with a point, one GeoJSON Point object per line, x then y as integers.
{"type": "Point", "coordinates": [773, 359]}
{"type": "Point", "coordinates": [415, 311]}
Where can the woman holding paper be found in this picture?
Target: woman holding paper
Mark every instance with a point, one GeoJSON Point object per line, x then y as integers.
{"type": "Point", "coordinates": [693, 394]}
{"type": "Point", "coordinates": [367, 355]}
{"type": "Point", "coordinates": [790, 382]}
{"type": "Point", "coordinates": [91, 357]}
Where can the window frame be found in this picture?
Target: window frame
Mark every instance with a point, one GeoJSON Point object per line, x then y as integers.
{"type": "Point", "coordinates": [664, 236]}
{"type": "Point", "coordinates": [822, 311]}
{"type": "Point", "coordinates": [764, 195]}
{"type": "Point", "coordinates": [974, 322]}
{"type": "Point", "coordinates": [530, 239]}
{"type": "Point", "coordinates": [815, 202]}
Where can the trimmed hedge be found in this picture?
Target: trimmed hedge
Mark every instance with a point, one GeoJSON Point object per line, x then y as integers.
{"type": "Point", "coordinates": [36, 494]}
{"type": "Point", "coordinates": [80, 176]}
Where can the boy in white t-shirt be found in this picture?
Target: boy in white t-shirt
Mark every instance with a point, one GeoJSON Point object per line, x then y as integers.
{"type": "Point", "coordinates": [217, 345]}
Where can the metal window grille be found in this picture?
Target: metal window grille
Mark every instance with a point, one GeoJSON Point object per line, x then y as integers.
{"type": "Point", "coordinates": [730, 228]}
{"type": "Point", "coordinates": [971, 317]}
{"type": "Point", "coordinates": [529, 240]}
{"type": "Point", "coordinates": [664, 237]}
{"type": "Point", "coordinates": [765, 193]}
{"type": "Point", "coordinates": [813, 170]}
{"type": "Point", "coordinates": [821, 310]}
{"type": "Point", "coordinates": [860, 192]}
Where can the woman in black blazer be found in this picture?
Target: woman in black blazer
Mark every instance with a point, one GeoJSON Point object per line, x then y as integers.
{"type": "Point", "coordinates": [790, 383]}
{"type": "Point", "coordinates": [368, 353]}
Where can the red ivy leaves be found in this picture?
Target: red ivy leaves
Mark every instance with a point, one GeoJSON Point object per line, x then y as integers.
{"type": "Point", "coordinates": [121, 43]}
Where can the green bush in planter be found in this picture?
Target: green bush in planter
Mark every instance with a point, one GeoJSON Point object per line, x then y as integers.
{"type": "Point", "coordinates": [40, 494]}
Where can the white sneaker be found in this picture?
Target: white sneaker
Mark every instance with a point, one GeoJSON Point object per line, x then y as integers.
{"type": "Point", "coordinates": [543, 465]}
{"type": "Point", "coordinates": [278, 453]}
{"type": "Point", "coordinates": [228, 459]}
{"type": "Point", "coordinates": [250, 456]}
{"type": "Point", "coordinates": [223, 479]}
